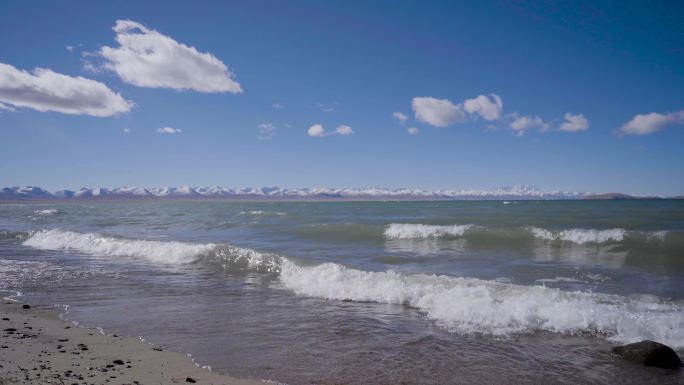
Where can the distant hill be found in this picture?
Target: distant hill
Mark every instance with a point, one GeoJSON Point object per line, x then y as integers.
{"type": "Point", "coordinates": [620, 197]}
{"type": "Point", "coordinates": [609, 196]}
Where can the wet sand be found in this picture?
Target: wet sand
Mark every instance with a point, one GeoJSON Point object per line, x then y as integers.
{"type": "Point", "coordinates": [37, 347]}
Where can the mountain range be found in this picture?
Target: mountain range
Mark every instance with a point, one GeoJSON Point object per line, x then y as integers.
{"type": "Point", "coordinates": [32, 193]}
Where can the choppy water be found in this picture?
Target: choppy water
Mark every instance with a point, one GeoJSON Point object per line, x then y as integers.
{"type": "Point", "coordinates": [359, 293]}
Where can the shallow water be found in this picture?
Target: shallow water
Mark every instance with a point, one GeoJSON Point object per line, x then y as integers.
{"type": "Point", "coordinates": [354, 292]}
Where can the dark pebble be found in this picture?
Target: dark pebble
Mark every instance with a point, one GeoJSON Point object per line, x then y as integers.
{"type": "Point", "coordinates": [190, 380]}
{"type": "Point", "coordinates": [25, 307]}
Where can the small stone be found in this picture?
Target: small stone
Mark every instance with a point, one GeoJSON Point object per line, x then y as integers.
{"type": "Point", "coordinates": [118, 362]}
{"type": "Point", "coordinates": [190, 380]}
{"type": "Point", "coordinates": [25, 307]}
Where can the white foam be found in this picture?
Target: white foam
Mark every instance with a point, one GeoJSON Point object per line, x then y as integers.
{"type": "Point", "coordinates": [45, 212]}
{"type": "Point", "coordinates": [420, 231]}
{"type": "Point", "coordinates": [164, 252]}
{"type": "Point", "coordinates": [580, 236]}
{"type": "Point", "coordinates": [468, 305]}
{"type": "Point", "coordinates": [261, 212]}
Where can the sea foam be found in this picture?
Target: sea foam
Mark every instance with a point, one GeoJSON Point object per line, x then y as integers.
{"type": "Point", "coordinates": [420, 231]}
{"type": "Point", "coordinates": [459, 304]}
{"type": "Point", "coordinates": [157, 251]}
{"type": "Point", "coordinates": [580, 236]}
{"type": "Point", "coordinates": [469, 305]}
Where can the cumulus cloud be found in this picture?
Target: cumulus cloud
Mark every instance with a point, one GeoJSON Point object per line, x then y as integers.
{"type": "Point", "coordinates": [343, 129]}
{"type": "Point", "coordinates": [126, 131]}
{"type": "Point", "coordinates": [266, 131]}
{"type": "Point", "coordinates": [146, 58]}
{"type": "Point", "coordinates": [521, 123]}
{"type": "Point", "coordinates": [317, 130]}
{"type": "Point", "coordinates": [574, 123]}
{"type": "Point", "coordinates": [644, 124]}
{"type": "Point", "coordinates": [487, 107]}
{"type": "Point", "coordinates": [401, 118]}
{"type": "Point", "coordinates": [412, 130]}
{"type": "Point", "coordinates": [44, 90]}
{"type": "Point", "coordinates": [437, 112]}
{"type": "Point", "coordinates": [168, 130]}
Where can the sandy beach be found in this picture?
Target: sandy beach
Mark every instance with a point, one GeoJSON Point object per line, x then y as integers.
{"type": "Point", "coordinates": [39, 348]}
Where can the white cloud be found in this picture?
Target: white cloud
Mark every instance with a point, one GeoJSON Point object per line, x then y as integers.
{"type": "Point", "coordinates": [44, 90]}
{"type": "Point", "coordinates": [146, 58]}
{"type": "Point", "coordinates": [412, 130]}
{"type": "Point", "coordinates": [168, 130]}
{"type": "Point", "coordinates": [326, 107]}
{"type": "Point", "coordinates": [343, 129]}
{"type": "Point", "coordinates": [574, 123]}
{"type": "Point", "coordinates": [650, 123]}
{"type": "Point", "coordinates": [278, 106]}
{"type": "Point", "coordinates": [126, 131]}
{"type": "Point", "coordinates": [401, 118]}
{"type": "Point", "coordinates": [437, 112]}
{"type": "Point", "coordinates": [487, 107]}
{"type": "Point", "coordinates": [70, 48]}
{"type": "Point", "coordinates": [520, 124]}
{"type": "Point", "coordinates": [316, 131]}
{"type": "Point", "coordinates": [266, 131]}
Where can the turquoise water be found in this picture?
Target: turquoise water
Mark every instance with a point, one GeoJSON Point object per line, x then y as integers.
{"type": "Point", "coordinates": [366, 292]}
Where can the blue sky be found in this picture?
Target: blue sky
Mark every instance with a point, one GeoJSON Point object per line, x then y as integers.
{"type": "Point", "coordinates": [223, 69]}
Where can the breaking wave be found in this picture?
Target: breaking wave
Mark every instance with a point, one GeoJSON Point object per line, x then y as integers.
{"type": "Point", "coordinates": [419, 231]}
{"type": "Point", "coordinates": [46, 212]}
{"type": "Point", "coordinates": [581, 236]}
{"type": "Point", "coordinates": [398, 231]}
{"type": "Point", "coordinates": [462, 305]}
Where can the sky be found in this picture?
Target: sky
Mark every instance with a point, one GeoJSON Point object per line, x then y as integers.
{"type": "Point", "coordinates": [583, 96]}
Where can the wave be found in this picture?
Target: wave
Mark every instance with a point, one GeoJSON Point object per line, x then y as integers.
{"type": "Point", "coordinates": [474, 306]}
{"type": "Point", "coordinates": [46, 212]}
{"type": "Point", "coordinates": [398, 231]}
{"type": "Point", "coordinates": [420, 231]}
{"type": "Point", "coordinates": [580, 236]}
{"type": "Point", "coordinates": [157, 251]}
{"type": "Point", "coordinates": [168, 252]}
{"type": "Point", "coordinates": [462, 305]}
{"type": "Point", "coordinates": [262, 213]}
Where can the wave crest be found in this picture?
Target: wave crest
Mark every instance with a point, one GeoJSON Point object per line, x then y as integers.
{"type": "Point", "coordinates": [420, 231]}
{"type": "Point", "coordinates": [580, 236]}
{"type": "Point", "coordinates": [157, 251]}
{"type": "Point", "coordinates": [469, 305]}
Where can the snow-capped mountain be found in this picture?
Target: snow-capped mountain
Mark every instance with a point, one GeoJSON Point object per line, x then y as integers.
{"type": "Point", "coordinates": [218, 192]}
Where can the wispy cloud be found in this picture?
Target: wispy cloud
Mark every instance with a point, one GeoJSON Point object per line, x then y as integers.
{"type": "Point", "coordinates": [168, 130]}
{"type": "Point", "coordinates": [278, 106]}
{"type": "Point", "coordinates": [400, 117]}
{"type": "Point", "coordinates": [146, 58]}
{"type": "Point", "coordinates": [327, 107]}
{"type": "Point", "coordinates": [645, 124]}
{"type": "Point", "coordinates": [412, 130]}
{"type": "Point", "coordinates": [44, 90]}
{"type": "Point", "coordinates": [126, 130]}
{"type": "Point", "coordinates": [318, 131]}
{"type": "Point", "coordinates": [266, 131]}
{"type": "Point", "coordinates": [522, 123]}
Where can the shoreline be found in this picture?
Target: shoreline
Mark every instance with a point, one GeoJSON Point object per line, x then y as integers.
{"type": "Point", "coordinates": [39, 347]}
